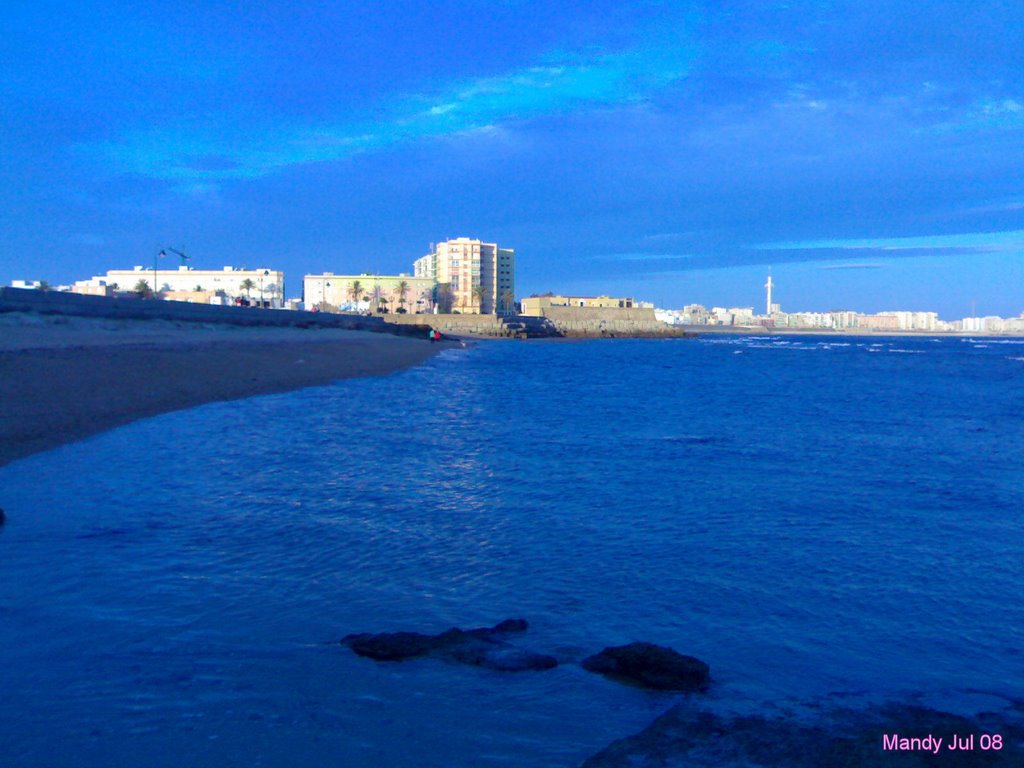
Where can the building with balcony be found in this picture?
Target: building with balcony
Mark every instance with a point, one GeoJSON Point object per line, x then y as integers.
{"type": "Point", "coordinates": [472, 276]}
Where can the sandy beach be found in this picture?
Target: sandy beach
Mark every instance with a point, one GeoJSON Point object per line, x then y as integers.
{"type": "Point", "coordinates": [63, 379]}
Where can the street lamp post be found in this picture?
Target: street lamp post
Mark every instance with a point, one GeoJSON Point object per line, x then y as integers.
{"type": "Point", "coordinates": [323, 294]}
{"type": "Point", "coordinates": [156, 259]}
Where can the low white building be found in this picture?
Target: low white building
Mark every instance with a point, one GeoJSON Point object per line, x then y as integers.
{"type": "Point", "coordinates": [361, 293]}
{"type": "Point", "coordinates": [255, 284]}
{"type": "Point", "coordinates": [988, 324]}
{"type": "Point", "coordinates": [39, 285]}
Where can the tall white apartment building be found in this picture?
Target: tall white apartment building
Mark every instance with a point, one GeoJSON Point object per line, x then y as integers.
{"type": "Point", "coordinates": [478, 277]}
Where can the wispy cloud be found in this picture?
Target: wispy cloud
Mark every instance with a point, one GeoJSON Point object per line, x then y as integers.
{"type": "Point", "coordinates": [852, 266]}
{"type": "Point", "coordinates": [998, 206]}
{"type": "Point", "coordinates": [666, 236]}
{"type": "Point", "coordinates": [562, 82]}
{"type": "Point", "coordinates": [971, 240]}
{"type": "Point", "coordinates": [999, 114]}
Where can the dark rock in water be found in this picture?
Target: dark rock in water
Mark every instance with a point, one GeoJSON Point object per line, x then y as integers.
{"type": "Point", "coordinates": [510, 625]}
{"type": "Point", "coordinates": [651, 666]}
{"type": "Point", "coordinates": [3, 517]}
{"type": "Point", "coordinates": [390, 646]}
{"type": "Point", "coordinates": [483, 647]}
{"type": "Point", "coordinates": [842, 738]}
{"type": "Point", "coordinates": [500, 656]}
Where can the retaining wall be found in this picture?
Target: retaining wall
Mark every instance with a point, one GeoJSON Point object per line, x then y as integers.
{"type": "Point", "coordinates": [608, 321]}
{"type": "Point", "coordinates": [477, 325]}
{"type": "Point", "coordinates": [130, 308]}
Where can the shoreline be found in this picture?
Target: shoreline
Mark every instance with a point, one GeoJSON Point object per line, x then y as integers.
{"type": "Point", "coordinates": [66, 379]}
{"type": "Point", "coordinates": [744, 330]}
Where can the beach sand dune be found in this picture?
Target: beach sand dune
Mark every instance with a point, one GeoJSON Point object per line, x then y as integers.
{"type": "Point", "coordinates": [63, 379]}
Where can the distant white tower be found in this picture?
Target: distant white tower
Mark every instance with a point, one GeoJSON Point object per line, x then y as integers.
{"type": "Point", "coordinates": [768, 286]}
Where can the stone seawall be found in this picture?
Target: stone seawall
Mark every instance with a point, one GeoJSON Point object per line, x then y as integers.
{"type": "Point", "coordinates": [558, 322]}
{"type": "Point", "coordinates": [589, 322]}
{"type": "Point", "coordinates": [572, 322]}
{"type": "Point", "coordinates": [457, 325]}
{"type": "Point", "coordinates": [608, 314]}
{"type": "Point", "coordinates": [129, 308]}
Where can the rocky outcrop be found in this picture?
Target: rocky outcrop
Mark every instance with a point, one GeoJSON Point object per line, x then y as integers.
{"type": "Point", "coordinates": [650, 666]}
{"type": "Point", "coordinates": [485, 647]}
{"type": "Point", "coordinates": [838, 739]}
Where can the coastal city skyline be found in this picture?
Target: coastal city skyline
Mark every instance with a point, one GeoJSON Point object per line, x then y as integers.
{"type": "Point", "coordinates": [818, 302]}
{"type": "Point", "coordinates": [660, 150]}
{"type": "Point", "coordinates": [487, 274]}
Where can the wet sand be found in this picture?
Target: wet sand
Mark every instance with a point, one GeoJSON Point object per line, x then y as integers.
{"type": "Point", "coordinates": [64, 379]}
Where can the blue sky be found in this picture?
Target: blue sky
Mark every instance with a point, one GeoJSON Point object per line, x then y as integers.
{"type": "Point", "coordinates": [871, 154]}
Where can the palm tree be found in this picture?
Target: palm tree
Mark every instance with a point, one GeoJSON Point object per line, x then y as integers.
{"type": "Point", "coordinates": [247, 286]}
{"type": "Point", "coordinates": [355, 290]}
{"type": "Point", "coordinates": [273, 289]}
{"type": "Point", "coordinates": [403, 290]}
{"type": "Point", "coordinates": [443, 297]}
{"type": "Point", "coordinates": [142, 289]}
{"type": "Point", "coordinates": [509, 300]}
{"type": "Point", "coordinates": [375, 295]}
{"type": "Point", "coordinates": [481, 295]}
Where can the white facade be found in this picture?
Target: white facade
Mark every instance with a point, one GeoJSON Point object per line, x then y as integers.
{"type": "Point", "coordinates": [366, 292]}
{"type": "Point", "coordinates": [266, 283]}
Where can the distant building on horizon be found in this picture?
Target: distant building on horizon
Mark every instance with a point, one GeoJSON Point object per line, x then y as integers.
{"type": "Point", "coordinates": [472, 276]}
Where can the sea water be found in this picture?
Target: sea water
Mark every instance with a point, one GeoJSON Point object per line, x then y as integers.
{"type": "Point", "coordinates": [816, 519]}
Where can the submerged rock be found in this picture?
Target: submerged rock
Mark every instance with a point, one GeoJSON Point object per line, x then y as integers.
{"type": "Point", "coordinates": [651, 666]}
{"type": "Point", "coordinates": [500, 656]}
{"type": "Point", "coordinates": [483, 647]}
{"type": "Point", "coordinates": [843, 738]}
{"type": "Point", "coordinates": [3, 517]}
{"type": "Point", "coordinates": [390, 646]}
